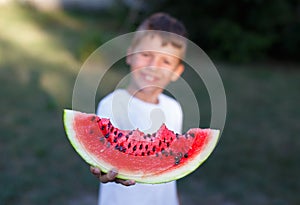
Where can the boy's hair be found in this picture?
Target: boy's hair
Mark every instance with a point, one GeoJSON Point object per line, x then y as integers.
{"type": "Point", "coordinates": [167, 27]}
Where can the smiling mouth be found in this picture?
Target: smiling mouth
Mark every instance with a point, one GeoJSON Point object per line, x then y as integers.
{"type": "Point", "coordinates": [149, 77]}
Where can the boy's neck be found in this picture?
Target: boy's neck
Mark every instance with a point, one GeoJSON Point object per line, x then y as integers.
{"type": "Point", "coordinates": [149, 97]}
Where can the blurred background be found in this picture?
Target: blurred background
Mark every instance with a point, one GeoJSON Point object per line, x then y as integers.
{"type": "Point", "coordinates": [254, 45]}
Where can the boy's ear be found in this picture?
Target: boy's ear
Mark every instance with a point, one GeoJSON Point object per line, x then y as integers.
{"type": "Point", "coordinates": [177, 72]}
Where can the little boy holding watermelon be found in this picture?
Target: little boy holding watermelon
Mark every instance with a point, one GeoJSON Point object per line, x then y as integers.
{"type": "Point", "coordinates": [154, 58]}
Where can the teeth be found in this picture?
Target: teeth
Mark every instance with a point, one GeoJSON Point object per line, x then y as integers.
{"type": "Point", "coordinates": [149, 78]}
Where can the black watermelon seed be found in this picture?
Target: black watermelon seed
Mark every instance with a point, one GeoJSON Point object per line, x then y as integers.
{"type": "Point", "coordinates": [177, 135]}
{"type": "Point", "coordinates": [115, 140]}
{"type": "Point", "coordinates": [102, 127]}
{"type": "Point", "coordinates": [127, 137]}
{"type": "Point", "coordinates": [148, 153]}
{"type": "Point", "coordinates": [168, 144]}
{"type": "Point", "coordinates": [115, 132]}
{"type": "Point", "coordinates": [141, 146]}
{"type": "Point", "coordinates": [159, 143]}
{"type": "Point", "coordinates": [111, 129]}
{"type": "Point", "coordinates": [134, 148]}
{"type": "Point", "coordinates": [146, 147]}
{"type": "Point", "coordinates": [143, 153]}
{"type": "Point", "coordinates": [145, 137]}
{"type": "Point", "coordinates": [130, 133]}
{"type": "Point", "coordinates": [153, 149]}
{"type": "Point", "coordinates": [129, 145]}
{"type": "Point", "coordinates": [107, 135]}
{"type": "Point", "coordinates": [186, 155]}
{"type": "Point", "coordinates": [102, 139]}
{"type": "Point", "coordinates": [120, 135]}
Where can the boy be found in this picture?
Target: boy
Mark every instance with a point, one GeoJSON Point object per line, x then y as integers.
{"type": "Point", "coordinates": [154, 58]}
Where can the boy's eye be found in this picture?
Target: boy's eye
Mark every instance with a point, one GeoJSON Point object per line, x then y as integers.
{"type": "Point", "coordinates": [145, 54]}
{"type": "Point", "coordinates": [167, 62]}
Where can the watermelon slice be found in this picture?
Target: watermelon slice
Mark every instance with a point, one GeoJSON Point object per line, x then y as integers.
{"type": "Point", "coordinates": [146, 158]}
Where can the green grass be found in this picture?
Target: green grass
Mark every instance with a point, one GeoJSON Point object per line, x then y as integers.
{"type": "Point", "coordinates": [256, 161]}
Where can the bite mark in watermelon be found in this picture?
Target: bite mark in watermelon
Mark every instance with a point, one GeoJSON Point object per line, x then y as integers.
{"type": "Point", "coordinates": [146, 158]}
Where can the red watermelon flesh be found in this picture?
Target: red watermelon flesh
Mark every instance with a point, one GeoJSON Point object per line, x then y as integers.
{"type": "Point", "coordinates": [147, 158]}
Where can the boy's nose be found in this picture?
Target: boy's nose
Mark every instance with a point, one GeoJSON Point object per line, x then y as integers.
{"type": "Point", "coordinates": [154, 63]}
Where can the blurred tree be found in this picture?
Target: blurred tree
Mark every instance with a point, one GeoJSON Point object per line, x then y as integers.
{"type": "Point", "coordinates": [240, 30]}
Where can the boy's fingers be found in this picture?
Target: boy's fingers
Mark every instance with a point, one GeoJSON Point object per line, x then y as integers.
{"type": "Point", "coordinates": [95, 171]}
{"type": "Point", "coordinates": [125, 182]}
{"type": "Point", "coordinates": [109, 177]}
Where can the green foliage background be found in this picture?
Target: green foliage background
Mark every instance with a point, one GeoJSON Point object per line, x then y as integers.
{"type": "Point", "coordinates": [240, 30]}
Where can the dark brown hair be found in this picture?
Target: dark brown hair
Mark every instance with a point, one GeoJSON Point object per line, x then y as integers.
{"type": "Point", "coordinates": [171, 30]}
{"type": "Point", "coordinates": [163, 22]}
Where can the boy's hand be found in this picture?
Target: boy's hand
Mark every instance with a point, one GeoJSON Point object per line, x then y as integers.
{"type": "Point", "coordinates": [110, 177]}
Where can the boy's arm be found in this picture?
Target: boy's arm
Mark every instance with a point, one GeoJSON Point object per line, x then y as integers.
{"type": "Point", "coordinates": [110, 177]}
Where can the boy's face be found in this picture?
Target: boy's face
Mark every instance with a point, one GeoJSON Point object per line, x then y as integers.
{"type": "Point", "coordinates": [153, 65]}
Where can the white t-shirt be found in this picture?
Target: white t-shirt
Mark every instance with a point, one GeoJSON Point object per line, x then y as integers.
{"type": "Point", "coordinates": [127, 112]}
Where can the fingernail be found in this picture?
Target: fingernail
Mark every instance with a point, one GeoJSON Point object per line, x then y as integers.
{"type": "Point", "coordinates": [95, 170]}
{"type": "Point", "coordinates": [112, 173]}
{"type": "Point", "coordinates": [131, 182]}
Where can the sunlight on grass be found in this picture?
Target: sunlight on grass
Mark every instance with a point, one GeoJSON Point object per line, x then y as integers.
{"type": "Point", "coordinates": [56, 85]}
{"type": "Point", "coordinates": [30, 44]}
{"type": "Point", "coordinates": [27, 37]}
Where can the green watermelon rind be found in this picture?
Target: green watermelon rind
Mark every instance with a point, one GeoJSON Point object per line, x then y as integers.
{"type": "Point", "coordinates": [68, 118]}
{"type": "Point", "coordinates": [192, 165]}
{"type": "Point", "coordinates": [68, 124]}
{"type": "Point", "coordinates": [182, 171]}
{"type": "Point", "coordinates": [165, 176]}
